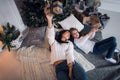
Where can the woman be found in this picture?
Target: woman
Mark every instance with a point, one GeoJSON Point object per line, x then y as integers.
{"type": "Point", "coordinates": [85, 43]}
{"type": "Point", "coordinates": [62, 54]}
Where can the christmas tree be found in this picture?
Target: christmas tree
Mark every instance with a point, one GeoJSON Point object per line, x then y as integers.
{"type": "Point", "coordinates": [33, 12]}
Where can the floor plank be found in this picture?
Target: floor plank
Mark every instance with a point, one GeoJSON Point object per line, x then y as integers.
{"type": "Point", "coordinates": [27, 64]}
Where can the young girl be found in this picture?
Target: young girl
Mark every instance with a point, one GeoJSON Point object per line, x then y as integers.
{"type": "Point", "coordinates": [85, 43]}
{"type": "Point", "coordinates": [62, 54]}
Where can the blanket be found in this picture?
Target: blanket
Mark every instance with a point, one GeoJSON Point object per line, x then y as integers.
{"type": "Point", "coordinates": [103, 69]}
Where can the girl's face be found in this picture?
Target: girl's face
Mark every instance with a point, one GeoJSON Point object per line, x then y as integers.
{"type": "Point", "coordinates": [66, 35]}
{"type": "Point", "coordinates": [75, 34]}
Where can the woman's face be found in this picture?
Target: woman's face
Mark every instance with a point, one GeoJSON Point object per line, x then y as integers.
{"type": "Point", "coordinates": [66, 35]}
{"type": "Point", "coordinates": [75, 34]}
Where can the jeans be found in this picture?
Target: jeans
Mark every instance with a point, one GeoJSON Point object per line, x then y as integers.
{"type": "Point", "coordinates": [62, 72]}
{"type": "Point", "coordinates": [108, 44]}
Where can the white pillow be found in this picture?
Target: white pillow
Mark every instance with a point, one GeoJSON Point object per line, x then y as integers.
{"type": "Point", "coordinates": [71, 22]}
{"type": "Point", "coordinates": [83, 61]}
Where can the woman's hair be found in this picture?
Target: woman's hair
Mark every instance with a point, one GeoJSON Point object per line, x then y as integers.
{"type": "Point", "coordinates": [58, 36]}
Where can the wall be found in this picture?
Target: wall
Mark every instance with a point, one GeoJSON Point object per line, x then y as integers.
{"type": "Point", "coordinates": [113, 26]}
{"type": "Point", "coordinates": [9, 13]}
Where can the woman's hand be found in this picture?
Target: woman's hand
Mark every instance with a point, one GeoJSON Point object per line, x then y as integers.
{"type": "Point", "coordinates": [70, 65]}
{"type": "Point", "coordinates": [49, 17]}
{"type": "Point", "coordinates": [70, 74]}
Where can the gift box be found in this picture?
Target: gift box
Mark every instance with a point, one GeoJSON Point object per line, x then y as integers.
{"type": "Point", "coordinates": [55, 8]}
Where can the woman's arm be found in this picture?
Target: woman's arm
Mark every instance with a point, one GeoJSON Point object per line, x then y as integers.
{"type": "Point", "coordinates": [70, 58]}
{"type": "Point", "coordinates": [49, 19]}
{"type": "Point", "coordinates": [70, 65]}
{"type": "Point", "coordinates": [50, 28]}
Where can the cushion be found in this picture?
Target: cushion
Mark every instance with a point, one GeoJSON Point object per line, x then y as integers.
{"type": "Point", "coordinates": [83, 61]}
{"type": "Point", "coordinates": [71, 22]}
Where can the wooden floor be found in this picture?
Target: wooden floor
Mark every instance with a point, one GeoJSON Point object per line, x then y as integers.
{"type": "Point", "coordinates": [33, 65]}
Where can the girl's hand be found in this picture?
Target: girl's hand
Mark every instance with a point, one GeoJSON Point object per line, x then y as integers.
{"type": "Point", "coordinates": [94, 30]}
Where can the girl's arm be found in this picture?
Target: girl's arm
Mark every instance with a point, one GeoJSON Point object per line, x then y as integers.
{"type": "Point", "coordinates": [91, 34]}
{"type": "Point", "coordinates": [83, 39]}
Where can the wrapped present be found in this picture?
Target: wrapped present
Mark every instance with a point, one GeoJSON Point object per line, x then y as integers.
{"type": "Point", "coordinates": [55, 8]}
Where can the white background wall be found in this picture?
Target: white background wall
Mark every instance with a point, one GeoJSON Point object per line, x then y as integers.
{"type": "Point", "coordinates": [9, 13]}
{"type": "Point", "coordinates": [111, 5]}
{"type": "Point", "coordinates": [112, 8]}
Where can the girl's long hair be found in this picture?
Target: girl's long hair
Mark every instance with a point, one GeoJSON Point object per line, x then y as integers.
{"type": "Point", "coordinates": [81, 33]}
